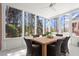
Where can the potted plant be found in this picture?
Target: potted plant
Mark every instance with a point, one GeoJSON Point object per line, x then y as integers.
{"type": "Point", "coordinates": [49, 35]}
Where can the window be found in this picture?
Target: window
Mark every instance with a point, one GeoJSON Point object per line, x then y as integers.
{"type": "Point", "coordinates": [25, 23]}
{"type": "Point", "coordinates": [67, 23]}
{"type": "Point", "coordinates": [62, 20]}
{"type": "Point", "coordinates": [53, 25]}
{"type": "Point", "coordinates": [13, 22]}
{"type": "Point", "coordinates": [75, 15]}
{"type": "Point", "coordinates": [75, 22]}
{"type": "Point", "coordinates": [29, 21]}
{"type": "Point", "coordinates": [46, 25]}
{"type": "Point", "coordinates": [39, 25]}
{"type": "Point", "coordinates": [64, 23]}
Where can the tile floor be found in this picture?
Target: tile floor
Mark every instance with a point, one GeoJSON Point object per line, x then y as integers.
{"type": "Point", "coordinates": [74, 51]}
{"type": "Point", "coordinates": [14, 52]}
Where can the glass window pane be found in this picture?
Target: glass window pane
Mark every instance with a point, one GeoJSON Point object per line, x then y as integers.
{"type": "Point", "coordinates": [53, 25]}
{"type": "Point", "coordinates": [13, 22]}
{"type": "Point", "coordinates": [47, 24]}
{"type": "Point", "coordinates": [64, 23]}
{"type": "Point", "coordinates": [39, 25]}
{"type": "Point", "coordinates": [29, 20]}
{"type": "Point", "coordinates": [25, 23]}
{"type": "Point", "coordinates": [62, 20]}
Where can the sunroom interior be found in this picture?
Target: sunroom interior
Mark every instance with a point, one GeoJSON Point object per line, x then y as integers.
{"type": "Point", "coordinates": [19, 20]}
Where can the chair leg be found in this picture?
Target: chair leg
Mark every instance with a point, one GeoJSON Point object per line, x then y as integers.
{"type": "Point", "coordinates": [68, 51]}
{"type": "Point", "coordinates": [63, 54]}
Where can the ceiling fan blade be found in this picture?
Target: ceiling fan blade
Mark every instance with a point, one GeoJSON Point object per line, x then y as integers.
{"type": "Point", "coordinates": [52, 4]}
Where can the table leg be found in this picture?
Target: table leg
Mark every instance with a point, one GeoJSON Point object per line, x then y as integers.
{"type": "Point", "coordinates": [44, 50]}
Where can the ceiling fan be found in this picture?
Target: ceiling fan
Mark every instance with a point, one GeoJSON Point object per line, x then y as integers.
{"type": "Point", "coordinates": [50, 6]}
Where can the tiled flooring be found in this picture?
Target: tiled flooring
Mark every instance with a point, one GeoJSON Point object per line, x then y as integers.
{"type": "Point", "coordinates": [74, 51]}
{"type": "Point", "coordinates": [14, 52]}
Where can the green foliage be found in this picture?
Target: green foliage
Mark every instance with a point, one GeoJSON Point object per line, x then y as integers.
{"type": "Point", "coordinates": [11, 30]}
{"type": "Point", "coordinates": [48, 33]}
{"type": "Point", "coordinates": [53, 30]}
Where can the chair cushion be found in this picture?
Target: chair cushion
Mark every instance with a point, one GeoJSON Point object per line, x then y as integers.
{"type": "Point", "coordinates": [34, 45]}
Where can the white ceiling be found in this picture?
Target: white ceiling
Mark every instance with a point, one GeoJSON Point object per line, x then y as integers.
{"type": "Point", "coordinates": [42, 9]}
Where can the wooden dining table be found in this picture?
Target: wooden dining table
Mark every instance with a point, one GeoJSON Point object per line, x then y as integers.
{"type": "Point", "coordinates": [44, 41]}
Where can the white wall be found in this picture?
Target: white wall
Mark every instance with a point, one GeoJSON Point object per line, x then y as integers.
{"type": "Point", "coordinates": [8, 44]}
